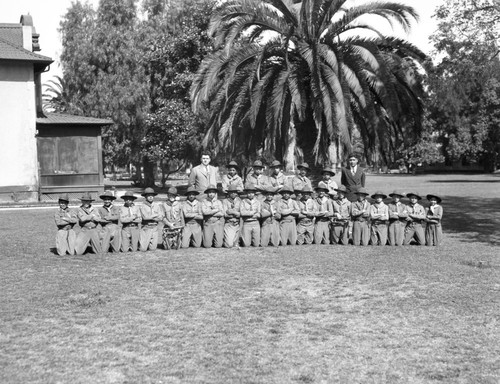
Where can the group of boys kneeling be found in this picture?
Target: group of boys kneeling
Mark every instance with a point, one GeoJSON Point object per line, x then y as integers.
{"type": "Point", "coordinates": [264, 217]}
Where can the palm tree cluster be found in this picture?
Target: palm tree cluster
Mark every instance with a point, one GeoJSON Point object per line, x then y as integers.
{"type": "Point", "coordinates": [313, 72]}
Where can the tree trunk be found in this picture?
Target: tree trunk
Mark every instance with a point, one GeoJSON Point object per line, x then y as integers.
{"type": "Point", "coordinates": [291, 146]}
{"type": "Point", "coordinates": [149, 175]}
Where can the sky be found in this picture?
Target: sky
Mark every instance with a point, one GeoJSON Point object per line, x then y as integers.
{"type": "Point", "coordinates": [47, 14]}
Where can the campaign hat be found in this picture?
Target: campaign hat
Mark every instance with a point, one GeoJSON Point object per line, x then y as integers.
{"type": "Point", "coordinates": [286, 189]}
{"type": "Point", "coordinates": [128, 195]}
{"type": "Point", "coordinates": [341, 188]}
{"type": "Point", "coordinates": [275, 163]}
{"type": "Point", "coordinates": [379, 193]}
{"type": "Point", "coordinates": [397, 192]}
{"type": "Point", "coordinates": [410, 194]}
{"type": "Point", "coordinates": [304, 165]}
{"type": "Point", "coordinates": [270, 190]}
{"type": "Point", "coordinates": [148, 191]}
{"type": "Point", "coordinates": [257, 164]}
{"type": "Point", "coordinates": [172, 191]}
{"type": "Point", "coordinates": [329, 170]}
{"type": "Point", "coordinates": [86, 197]}
{"type": "Point", "coordinates": [233, 164]}
{"type": "Point", "coordinates": [362, 191]}
{"type": "Point", "coordinates": [322, 187]}
{"type": "Point", "coordinates": [232, 188]}
{"type": "Point", "coordinates": [435, 196]}
{"type": "Point", "coordinates": [192, 191]}
{"type": "Point", "coordinates": [250, 187]}
{"type": "Point", "coordinates": [64, 197]}
{"type": "Point", "coordinates": [211, 187]}
{"type": "Point", "coordinates": [307, 189]}
{"type": "Point", "coordinates": [107, 195]}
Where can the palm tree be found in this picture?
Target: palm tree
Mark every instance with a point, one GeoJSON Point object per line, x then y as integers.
{"type": "Point", "coordinates": [311, 73]}
{"type": "Point", "coordinates": [56, 98]}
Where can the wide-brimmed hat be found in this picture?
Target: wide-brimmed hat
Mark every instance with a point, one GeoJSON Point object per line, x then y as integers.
{"type": "Point", "coordinates": [379, 193]}
{"type": "Point", "coordinates": [128, 195]}
{"type": "Point", "coordinates": [329, 170]}
{"type": "Point", "coordinates": [233, 164]}
{"type": "Point", "coordinates": [341, 188]}
{"type": "Point", "coordinates": [148, 191]}
{"type": "Point", "coordinates": [322, 187]}
{"type": "Point", "coordinates": [275, 163]}
{"type": "Point", "coordinates": [250, 188]}
{"type": "Point", "coordinates": [362, 191]}
{"type": "Point", "coordinates": [257, 164]}
{"type": "Point", "coordinates": [286, 189]}
{"type": "Point", "coordinates": [307, 189]}
{"type": "Point", "coordinates": [434, 196]}
{"type": "Point", "coordinates": [397, 192]}
{"type": "Point", "coordinates": [64, 197]}
{"type": "Point", "coordinates": [233, 188]}
{"type": "Point", "coordinates": [107, 195]}
{"type": "Point", "coordinates": [172, 191]}
{"type": "Point", "coordinates": [86, 197]}
{"type": "Point", "coordinates": [211, 187]}
{"type": "Point", "coordinates": [192, 191]}
{"type": "Point", "coordinates": [410, 194]}
{"type": "Point", "coordinates": [304, 165]}
{"type": "Point", "coordinates": [270, 190]}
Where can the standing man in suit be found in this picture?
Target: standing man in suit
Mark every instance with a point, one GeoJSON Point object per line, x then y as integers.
{"type": "Point", "coordinates": [353, 177]}
{"type": "Point", "coordinates": [202, 176]}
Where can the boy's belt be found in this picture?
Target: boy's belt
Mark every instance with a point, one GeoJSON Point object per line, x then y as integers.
{"type": "Point", "coordinates": [150, 223]}
{"type": "Point", "coordinates": [126, 225]}
{"type": "Point", "coordinates": [305, 221]}
{"type": "Point", "coordinates": [379, 222]}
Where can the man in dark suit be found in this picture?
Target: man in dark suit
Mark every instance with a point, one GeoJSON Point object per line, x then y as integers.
{"type": "Point", "coordinates": [353, 177]}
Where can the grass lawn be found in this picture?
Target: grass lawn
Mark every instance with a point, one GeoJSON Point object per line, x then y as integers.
{"type": "Point", "coordinates": [309, 314]}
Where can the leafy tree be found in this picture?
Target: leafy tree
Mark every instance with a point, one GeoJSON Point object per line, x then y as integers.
{"type": "Point", "coordinates": [285, 74]}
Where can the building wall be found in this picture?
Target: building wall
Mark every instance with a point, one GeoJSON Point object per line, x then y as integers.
{"type": "Point", "coordinates": [18, 156]}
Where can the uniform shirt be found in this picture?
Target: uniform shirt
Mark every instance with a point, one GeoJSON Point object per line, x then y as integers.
{"type": "Point", "coordinates": [299, 182]}
{"type": "Point", "coordinates": [307, 206]}
{"type": "Point", "coordinates": [288, 209]}
{"type": "Point", "coordinates": [434, 214]}
{"type": "Point", "coordinates": [151, 213]}
{"type": "Point", "coordinates": [232, 209]}
{"type": "Point", "coordinates": [109, 215]}
{"type": "Point", "coordinates": [417, 211]}
{"type": "Point", "coordinates": [172, 213]}
{"type": "Point", "coordinates": [397, 211]}
{"type": "Point", "coordinates": [277, 180]}
{"type": "Point", "coordinates": [88, 217]}
{"type": "Point", "coordinates": [192, 211]}
{"type": "Point", "coordinates": [357, 209]}
{"type": "Point", "coordinates": [235, 181]}
{"type": "Point", "coordinates": [379, 212]}
{"type": "Point", "coordinates": [213, 211]}
{"type": "Point", "coordinates": [201, 177]}
{"type": "Point", "coordinates": [269, 211]}
{"type": "Point", "coordinates": [130, 214]}
{"type": "Point", "coordinates": [342, 209]}
{"type": "Point", "coordinates": [325, 206]}
{"type": "Point", "coordinates": [259, 181]}
{"type": "Point", "coordinates": [65, 218]}
{"type": "Point", "coordinates": [332, 186]}
{"type": "Point", "coordinates": [250, 209]}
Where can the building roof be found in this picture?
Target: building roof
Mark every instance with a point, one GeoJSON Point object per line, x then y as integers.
{"type": "Point", "coordinates": [10, 51]}
{"type": "Point", "coordinates": [12, 33]}
{"type": "Point", "coordinates": [64, 119]}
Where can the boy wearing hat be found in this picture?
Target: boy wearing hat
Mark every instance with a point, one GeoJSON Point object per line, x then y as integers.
{"type": "Point", "coordinates": [341, 217]}
{"type": "Point", "coordinates": [327, 177]}
{"type": "Point", "coordinates": [257, 177]}
{"type": "Point", "coordinates": [360, 214]}
{"type": "Point", "coordinates": [173, 220]}
{"type": "Point", "coordinates": [65, 220]}
{"type": "Point", "coordinates": [250, 209]}
{"type": "Point", "coordinates": [110, 216]}
{"type": "Point", "coordinates": [308, 209]}
{"type": "Point", "coordinates": [433, 216]}
{"type": "Point", "coordinates": [277, 178]}
{"type": "Point", "coordinates": [323, 216]}
{"type": "Point", "coordinates": [130, 218]}
{"type": "Point", "coordinates": [231, 205]}
{"type": "Point", "coordinates": [193, 217]}
{"type": "Point", "coordinates": [270, 228]}
{"type": "Point", "coordinates": [213, 219]}
{"type": "Point", "coordinates": [397, 218]}
{"type": "Point", "coordinates": [300, 180]}
{"type": "Point", "coordinates": [88, 218]}
{"type": "Point", "coordinates": [232, 178]}
{"type": "Point", "coordinates": [289, 210]}
{"type": "Point", "coordinates": [379, 216]}
{"type": "Point", "coordinates": [353, 177]}
{"type": "Point", "coordinates": [416, 216]}
{"type": "Point", "coordinates": [152, 214]}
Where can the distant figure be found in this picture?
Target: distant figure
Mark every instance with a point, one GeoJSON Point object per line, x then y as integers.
{"type": "Point", "coordinates": [203, 175]}
{"type": "Point", "coordinates": [353, 177]}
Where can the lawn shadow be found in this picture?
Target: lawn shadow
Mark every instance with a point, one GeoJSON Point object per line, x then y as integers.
{"type": "Point", "coordinates": [476, 219]}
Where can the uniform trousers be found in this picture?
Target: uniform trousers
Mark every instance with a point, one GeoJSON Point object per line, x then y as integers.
{"type": "Point", "coordinates": [86, 236]}
{"type": "Point", "coordinates": [322, 232]}
{"type": "Point", "coordinates": [111, 236]}
{"type": "Point", "coordinates": [339, 232]}
{"type": "Point", "coordinates": [65, 241]}
{"type": "Point", "coordinates": [378, 233]}
{"type": "Point", "coordinates": [130, 238]}
{"type": "Point", "coordinates": [360, 233]}
{"type": "Point", "coordinates": [148, 239]}
{"type": "Point", "coordinates": [250, 233]}
{"type": "Point", "coordinates": [213, 234]}
{"type": "Point", "coordinates": [288, 232]}
{"type": "Point", "coordinates": [231, 234]}
{"type": "Point", "coordinates": [305, 231]}
{"type": "Point", "coordinates": [192, 234]}
{"type": "Point", "coordinates": [270, 233]}
{"type": "Point", "coordinates": [414, 230]}
{"type": "Point", "coordinates": [433, 234]}
{"type": "Point", "coordinates": [396, 232]}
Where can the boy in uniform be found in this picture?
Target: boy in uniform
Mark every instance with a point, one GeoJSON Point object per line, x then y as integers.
{"type": "Point", "coordinates": [173, 220]}
{"type": "Point", "coordinates": [232, 178]}
{"type": "Point", "coordinates": [250, 209]}
{"type": "Point", "coordinates": [327, 174]}
{"type": "Point", "coordinates": [110, 216]}
{"type": "Point", "coordinates": [301, 180]}
{"type": "Point", "coordinates": [88, 218]}
{"type": "Point", "coordinates": [379, 215]}
{"type": "Point", "coordinates": [232, 216]}
{"type": "Point", "coordinates": [130, 218]}
{"type": "Point", "coordinates": [289, 210]}
{"type": "Point", "coordinates": [270, 228]}
{"type": "Point", "coordinates": [193, 217]}
{"type": "Point", "coordinates": [397, 219]}
{"type": "Point", "coordinates": [433, 216]}
{"type": "Point", "coordinates": [277, 178]}
{"type": "Point", "coordinates": [360, 214]}
{"type": "Point", "coordinates": [416, 215]}
{"type": "Point", "coordinates": [65, 220]}
{"type": "Point", "coordinates": [257, 177]}
{"type": "Point", "coordinates": [341, 217]}
{"type": "Point", "coordinates": [152, 214]}
{"type": "Point", "coordinates": [213, 219]}
{"type": "Point", "coordinates": [323, 216]}
{"type": "Point", "coordinates": [308, 209]}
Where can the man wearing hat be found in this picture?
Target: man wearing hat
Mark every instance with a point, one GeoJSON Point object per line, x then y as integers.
{"type": "Point", "coordinates": [360, 214]}
{"type": "Point", "coordinates": [323, 216]}
{"type": "Point", "coordinates": [65, 220]}
{"type": "Point", "coordinates": [88, 218]}
{"type": "Point", "coordinates": [289, 210]}
{"type": "Point", "coordinates": [193, 217]}
{"type": "Point", "coordinates": [257, 177]}
{"type": "Point", "coordinates": [213, 219]}
{"type": "Point", "coordinates": [379, 216]}
{"type": "Point", "coordinates": [152, 214]}
{"type": "Point", "coordinates": [327, 174]}
{"type": "Point", "coordinates": [130, 218]}
{"type": "Point", "coordinates": [173, 220]}
{"type": "Point", "coordinates": [232, 178]}
{"type": "Point", "coordinates": [416, 216]}
{"type": "Point", "coordinates": [341, 217]}
{"type": "Point", "coordinates": [110, 216]}
{"type": "Point", "coordinates": [397, 218]}
{"type": "Point", "coordinates": [250, 209]}
{"type": "Point", "coordinates": [433, 216]}
{"type": "Point", "coordinates": [308, 209]}
{"type": "Point", "coordinates": [203, 175]}
{"type": "Point", "coordinates": [277, 178]}
{"type": "Point", "coordinates": [231, 205]}
{"type": "Point", "coordinates": [270, 228]}
{"type": "Point", "coordinates": [300, 180]}
{"type": "Point", "coordinates": [353, 177]}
